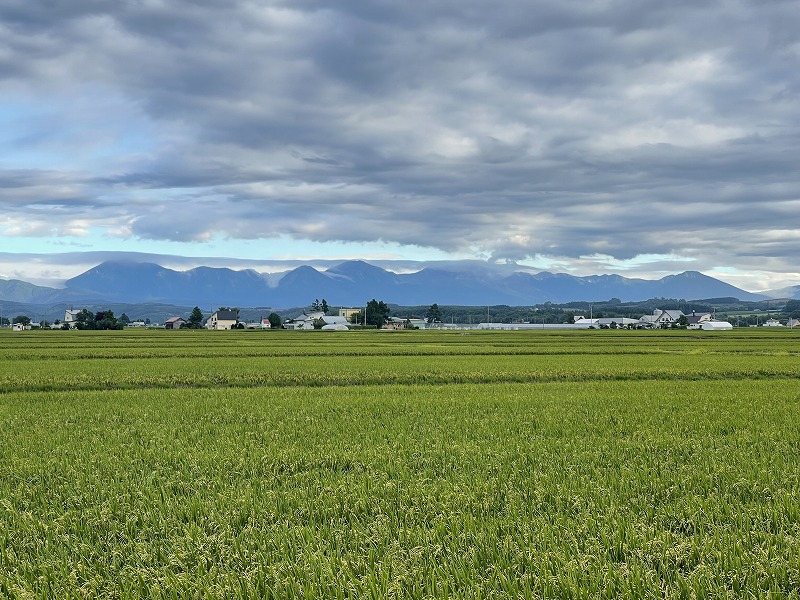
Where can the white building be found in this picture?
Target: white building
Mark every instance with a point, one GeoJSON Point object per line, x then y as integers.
{"type": "Point", "coordinates": [223, 319]}
{"type": "Point", "coordinates": [715, 326]}
{"type": "Point", "coordinates": [71, 317]}
{"type": "Point", "coordinates": [696, 320]}
{"type": "Point", "coordinates": [660, 318]}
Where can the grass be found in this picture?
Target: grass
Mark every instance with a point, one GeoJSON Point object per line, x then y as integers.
{"type": "Point", "coordinates": [629, 466]}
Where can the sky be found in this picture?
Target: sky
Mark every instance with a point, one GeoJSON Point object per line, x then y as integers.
{"type": "Point", "coordinates": [637, 137]}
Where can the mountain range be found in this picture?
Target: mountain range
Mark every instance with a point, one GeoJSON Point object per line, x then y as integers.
{"type": "Point", "coordinates": [353, 283]}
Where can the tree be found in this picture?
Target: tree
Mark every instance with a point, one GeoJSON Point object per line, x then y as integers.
{"type": "Point", "coordinates": [124, 319]}
{"type": "Point", "coordinates": [102, 319]}
{"type": "Point", "coordinates": [377, 313]}
{"type": "Point", "coordinates": [317, 306]}
{"type": "Point", "coordinates": [319, 323]}
{"type": "Point", "coordinates": [792, 308]}
{"type": "Point", "coordinates": [105, 320]}
{"type": "Point", "coordinates": [22, 319]}
{"type": "Point", "coordinates": [434, 314]}
{"type": "Point", "coordinates": [195, 320]}
{"type": "Point", "coordinates": [274, 320]}
{"type": "Point", "coordinates": [84, 320]}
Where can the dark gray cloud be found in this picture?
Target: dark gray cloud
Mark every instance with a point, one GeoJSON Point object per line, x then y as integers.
{"type": "Point", "coordinates": [502, 129]}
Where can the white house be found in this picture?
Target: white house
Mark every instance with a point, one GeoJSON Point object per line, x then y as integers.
{"type": "Point", "coordinates": [660, 318]}
{"type": "Point", "coordinates": [772, 323]}
{"type": "Point", "coordinates": [223, 319]}
{"type": "Point", "coordinates": [696, 320]}
{"type": "Point", "coordinates": [71, 317]}
{"type": "Point", "coordinates": [306, 320]}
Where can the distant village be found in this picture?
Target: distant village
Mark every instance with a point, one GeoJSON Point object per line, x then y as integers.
{"type": "Point", "coordinates": [350, 318]}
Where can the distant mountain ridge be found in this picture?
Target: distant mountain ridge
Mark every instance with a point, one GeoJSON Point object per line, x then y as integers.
{"type": "Point", "coordinates": [353, 283]}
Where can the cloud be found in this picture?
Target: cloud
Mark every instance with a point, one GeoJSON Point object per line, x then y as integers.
{"type": "Point", "coordinates": [562, 131]}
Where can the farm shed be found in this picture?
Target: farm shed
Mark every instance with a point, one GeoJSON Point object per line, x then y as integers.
{"type": "Point", "coordinates": [716, 326]}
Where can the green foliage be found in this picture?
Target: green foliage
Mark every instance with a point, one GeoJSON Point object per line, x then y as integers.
{"type": "Point", "coordinates": [377, 313]}
{"type": "Point", "coordinates": [195, 320]}
{"type": "Point", "coordinates": [275, 320]}
{"type": "Point", "coordinates": [22, 320]}
{"type": "Point", "coordinates": [101, 320]}
{"type": "Point", "coordinates": [434, 315]}
{"type": "Point", "coordinates": [792, 309]}
{"type": "Point", "coordinates": [431, 464]}
{"type": "Point", "coordinates": [318, 306]}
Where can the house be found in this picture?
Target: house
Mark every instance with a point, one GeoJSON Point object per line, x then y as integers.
{"type": "Point", "coordinates": [772, 323]}
{"type": "Point", "coordinates": [660, 318]}
{"type": "Point", "coordinates": [304, 321]}
{"type": "Point", "coordinates": [71, 317]}
{"type": "Point", "coordinates": [174, 323]}
{"type": "Point", "coordinates": [262, 323]}
{"type": "Point", "coordinates": [223, 319]}
{"type": "Point", "coordinates": [793, 323]}
{"type": "Point", "coordinates": [347, 313]}
{"type": "Point", "coordinates": [397, 323]}
{"type": "Point", "coordinates": [696, 320]}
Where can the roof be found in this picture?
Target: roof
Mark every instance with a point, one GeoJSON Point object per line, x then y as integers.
{"type": "Point", "coordinates": [174, 320]}
{"type": "Point", "coordinates": [227, 315]}
{"type": "Point", "coordinates": [697, 318]}
{"type": "Point", "coordinates": [716, 325]}
{"type": "Point", "coordinates": [673, 314]}
{"type": "Point", "coordinates": [334, 320]}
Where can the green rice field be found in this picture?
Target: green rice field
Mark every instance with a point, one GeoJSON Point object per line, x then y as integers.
{"type": "Point", "coordinates": [430, 464]}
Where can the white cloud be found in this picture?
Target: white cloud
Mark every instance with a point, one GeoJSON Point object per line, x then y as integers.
{"type": "Point", "coordinates": [557, 132]}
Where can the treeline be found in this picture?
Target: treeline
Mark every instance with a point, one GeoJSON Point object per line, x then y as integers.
{"type": "Point", "coordinates": [101, 320]}
{"type": "Point", "coordinates": [549, 312]}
